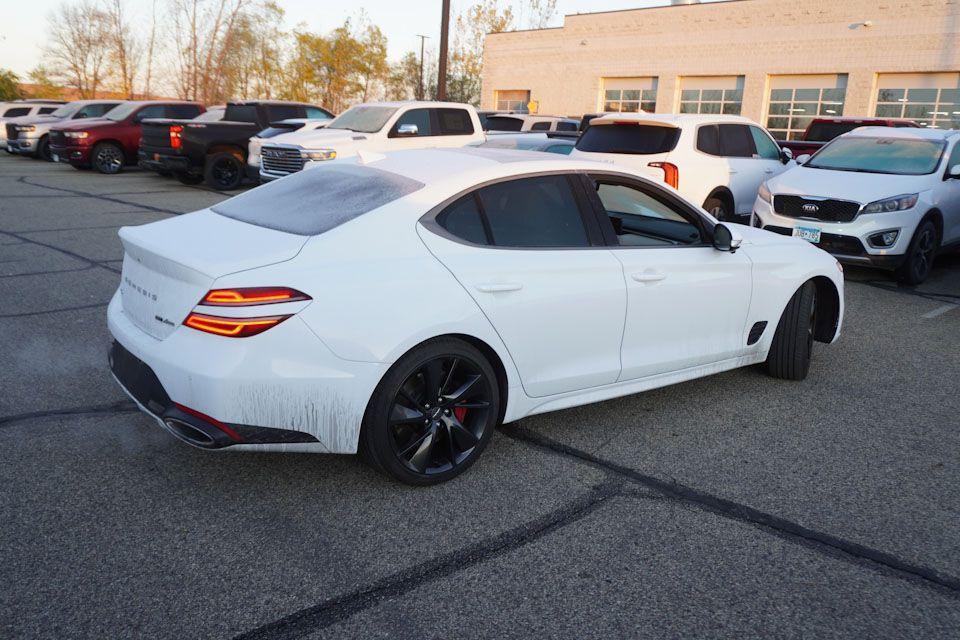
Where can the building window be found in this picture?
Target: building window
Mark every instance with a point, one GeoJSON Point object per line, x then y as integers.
{"type": "Point", "coordinates": [711, 95]}
{"type": "Point", "coordinates": [512, 100]}
{"type": "Point", "coordinates": [629, 95]}
{"type": "Point", "coordinates": [931, 100]}
{"type": "Point", "coordinates": [796, 100]}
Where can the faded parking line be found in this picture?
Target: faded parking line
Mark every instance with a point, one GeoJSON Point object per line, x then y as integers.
{"type": "Point", "coordinates": [940, 311]}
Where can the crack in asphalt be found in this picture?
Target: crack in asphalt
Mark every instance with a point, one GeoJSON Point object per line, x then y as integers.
{"type": "Point", "coordinates": [27, 314]}
{"type": "Point", "coordinates": [76, 192]}
{"type": "Point", "coordinates": [67, 252]}
{"type": "Point", "coordinates": [42, 273]}
{"type": "Point", "coordinates": [818, 541]}
{"type": "Point", "coordinates": [329, 612]}
{"type": "Point", "coordinates": [121, 406]}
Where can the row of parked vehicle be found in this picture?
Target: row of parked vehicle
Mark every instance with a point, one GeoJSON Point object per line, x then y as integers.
{"type": "Point", "coordinates": [839, 199]}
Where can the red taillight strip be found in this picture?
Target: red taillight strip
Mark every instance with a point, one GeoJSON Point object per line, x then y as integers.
{"type": "Point", "coordinates": [231, 327]}
{"type": "Point", "coordinates": [236, 437]}
{"type": "Point", "coordinates": [249, 296]}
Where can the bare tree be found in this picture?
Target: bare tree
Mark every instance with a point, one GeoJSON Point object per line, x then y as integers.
{"type": "Point", "coordinates": [151, 50]}
{"type": "Point", "coordinates": [76, 52]}
{"type": "Point", "coordinates": [125, 51]}
{"type": "Point", "coordinates": [204, 31]}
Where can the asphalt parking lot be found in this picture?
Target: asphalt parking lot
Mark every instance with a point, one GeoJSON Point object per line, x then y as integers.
{"type": "Point", "coordinates": [732, 506]}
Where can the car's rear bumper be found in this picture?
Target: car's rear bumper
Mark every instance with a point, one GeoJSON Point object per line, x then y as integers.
{"type": "Point", "coordinates": [159, 161]}
{"type": "Point", "coordinates": [281, 390]}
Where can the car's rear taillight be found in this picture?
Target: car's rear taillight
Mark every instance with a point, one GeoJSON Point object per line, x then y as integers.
{"type": "Point", "coordinates": [251, 296]}
{"type": "Point", "coordinates": [232, 327]}
{"type": "Point", "coordinates": [671, 174]}
{"type": "Point", "coordinates": [175, 131]}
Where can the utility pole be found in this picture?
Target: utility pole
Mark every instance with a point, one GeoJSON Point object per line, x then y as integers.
{"type": "Point", "coordinates": [420, 84]}
{"type": "Point", "coordinates": [444, 30]}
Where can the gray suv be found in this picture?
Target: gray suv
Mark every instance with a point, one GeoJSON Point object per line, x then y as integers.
{"type": "Point", "coordinates": [29, 135]}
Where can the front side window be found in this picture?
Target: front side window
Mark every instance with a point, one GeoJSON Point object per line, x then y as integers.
{"type": "Point", "coordinates": [766, 147]}
{"type": "Point", "coordinates": [540, 126]}
{"type": "Point", "coordinates": [363, 118]}
{"type": "Point", "coordinates": [641, 220]}
{"type": "Point", "coordinates": [67, 110]}
{"type": "Point", "coordinates": [879, 155]}
{"type": "Point", "coordinates": [95, 110]}
{"type": "Point", "coordinates": [284, 111]}
{"type": "Point", "coordinates": [240, 113]}
{"type": "Point", "coordinates": [420, 118]}
{"type": "Point", "coordinates": [183, 111]}
{"type": "Point", "coordinates": [454, 122]}
{"type": "Point", "coordinates": [316, 113]}
{"type": "Point", "coordinates": [736, 141]}
{"type": "Point", "coordinates": [954, 159]}
{"type": "Point", "coordinates": [639, 139]}
{"type": "Point", "coordinates": [153, 111]}
{"type": "Point", "coordinates": [567, 126]}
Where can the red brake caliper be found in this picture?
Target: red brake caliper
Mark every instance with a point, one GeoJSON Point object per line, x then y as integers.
{"type": "Point", "coordinates": [460, 413]}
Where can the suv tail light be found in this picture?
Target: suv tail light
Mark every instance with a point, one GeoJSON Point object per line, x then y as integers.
{"type": "Point", "coordinates": [232, 327]}
{"type": "Point", "coordinates": [175, 131]}
{"type": "Point", "coordinates": [252, 296]}
{"type": "Point", "coordinates": [671, 174]}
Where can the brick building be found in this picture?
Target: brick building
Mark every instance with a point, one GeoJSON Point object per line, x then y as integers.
{"type": "Point", "coordinates": [779, 62]}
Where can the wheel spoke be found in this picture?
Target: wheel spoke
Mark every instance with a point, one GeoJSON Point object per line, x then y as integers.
{"type": "Point", "coordinates": [476, 404]}
{"type": "Point", "coordinates": [432, 378]}
{"type": "Point", "coordinates": [413, 401]}
{"type": "Point", "coordinates": [421, 457]}
{"type": "Point", "coordinates": [449, 378]}
{"type": "Point", "coordinates": [405, 415]}
{"type": "Point", "coordinates": [464, 438]}
{"type": "Point", "coordinates": [451, 450]}
{"type": "Point", "coordinates": [461, 391]}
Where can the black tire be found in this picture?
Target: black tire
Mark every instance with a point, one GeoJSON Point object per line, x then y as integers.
{"type": "Point", "coordinates": [924, 247]}
{"type": "Point", "coordinates": [107, 158]}
{"type": "Point", "coordinates": [409, 435]}
{"type": "Point", "coordinates": [789, 357]}
{"type": "Point", "coordinates": [43, 149]}
{"type": "Point", "coordinates": [187, 178]}
{"type": "Point", "coordinates": [223, 171]}
{"type": "Point", "coordinates": [717, 208]}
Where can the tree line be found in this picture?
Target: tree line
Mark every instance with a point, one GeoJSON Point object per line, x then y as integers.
{"type": "Point", "coordinates": [216, 50]}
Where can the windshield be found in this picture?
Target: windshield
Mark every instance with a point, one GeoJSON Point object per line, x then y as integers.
{"type": "Point", "coordinates": [121, 112]}
{"type": "Point", "coordinates": [67, 110]}
{"type": "Point", "coordinates": [880, 155]}
{"type": "Point", "coordinates": [363, 119]}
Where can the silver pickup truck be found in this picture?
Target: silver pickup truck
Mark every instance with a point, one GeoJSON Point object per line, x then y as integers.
{"type": "Point", "coordinates": [28, 135]}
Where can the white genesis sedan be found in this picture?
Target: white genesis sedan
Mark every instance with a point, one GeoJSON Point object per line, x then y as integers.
{"type": "Point", "coordinates": [404, 305]}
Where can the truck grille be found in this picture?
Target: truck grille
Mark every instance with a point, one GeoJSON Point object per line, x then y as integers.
{"type": "Point", "coordinates": [12, 132]}
{"type": "Point", "coordinates": [280, 160]}
{"type": "Point", "coordinates": [826, 210]}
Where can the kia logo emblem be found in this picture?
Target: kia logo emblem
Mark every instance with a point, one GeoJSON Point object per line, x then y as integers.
{"type": "Point", "coordinates": [810, 208]}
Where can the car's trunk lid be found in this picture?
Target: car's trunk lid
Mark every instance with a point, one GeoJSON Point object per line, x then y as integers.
{"type": "Point", "coordinates": [168, 266]}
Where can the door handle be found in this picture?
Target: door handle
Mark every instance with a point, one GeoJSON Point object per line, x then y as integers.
{"type": "Point", "coordinates": [768, 170]}
{"type": "Point", "coordinates": [732, 171]}
{"type": "Point", "coordinates": [496, 287]}
{"type": "Point", "coordinates": [648, 276]}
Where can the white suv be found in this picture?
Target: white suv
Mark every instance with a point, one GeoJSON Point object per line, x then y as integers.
{"type": "Point", "coordinates": [877, 196]}
{"type": "Point", "coordinates": [714, 160]}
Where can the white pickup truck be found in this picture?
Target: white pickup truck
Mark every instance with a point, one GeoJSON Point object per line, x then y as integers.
{"type": "Point", "coordinates": [377, 127]}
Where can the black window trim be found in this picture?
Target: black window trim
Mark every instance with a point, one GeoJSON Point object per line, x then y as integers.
{"type": "Point", "coordinates": [603, 220]}
{"type": "Point", "coordinates": [574, 177]}
{"type": "Point", "coordinates": [756, 154]}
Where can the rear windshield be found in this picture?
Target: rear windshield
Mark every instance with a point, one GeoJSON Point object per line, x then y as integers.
{"type": "Point", "coordinates": [316, 200]}
{"type": "Point", "coordinates": [639, 139]}
{"type": "Point", "coordinates": [879, 155]}
{"type": "Point", "coordinates": [210, 115]}
{"type": "Point", "coordinates": [827, 131]}
{"type": "Point", "coordinates": [503, 123]}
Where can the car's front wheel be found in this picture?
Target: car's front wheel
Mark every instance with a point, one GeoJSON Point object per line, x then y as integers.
{"type": "Point", "coordinates": [108, 158]}
{"type": "Point", "coordinates": [923, 249]}
{"type": "Point", "coordinates": [717, 208]}
{"type": "Point", "coordinates": [432, 414]}
{"type": "Point", "coordinates": [43, 149]}
{"type": "Point", "coordinates": [224, 171]}
{"type": "Point", "coordinates": [789, 356]}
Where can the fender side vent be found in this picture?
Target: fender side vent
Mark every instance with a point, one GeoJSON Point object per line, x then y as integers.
{"type": "Point", "coordinates": [756, 331]}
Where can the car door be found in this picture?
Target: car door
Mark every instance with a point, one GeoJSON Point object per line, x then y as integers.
{"type": "Point", "coordinates": [687, 303]}
{"type": "Point", "coordinates": [529, 252]}
{"type": "Point", "coordinates": [747, 170]}
{"type": "Point", "coordinates": [768, 154]}
{"type": "Point", "coordinates": [455, 127]}
{"type": "Point", "coordinates": [424, 137]}
{"type": "Point", "coordinates": [950, 199]}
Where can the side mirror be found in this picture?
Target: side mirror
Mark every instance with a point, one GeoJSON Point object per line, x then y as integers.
{"type": "Point", "coordinates": [407, 130]}
{"type": "Point", "coordinates": [954, 172]}
{"type": "Point", "coordinates": [803, 159]}
{"type": "Point", "coordinates": [786, 155]}
{"type": "Point", "coordinates": [726, 239]}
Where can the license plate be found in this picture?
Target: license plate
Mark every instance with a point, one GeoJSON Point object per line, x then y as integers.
{"type": "Point", "coordinates": [811, 234]}
{"type": "Point", "coordinates": [156, 157]}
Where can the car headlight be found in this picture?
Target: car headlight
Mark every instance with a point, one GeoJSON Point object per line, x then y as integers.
{"type": "Point", "coordinates": [764, 193]}
{"type": "Point", "coordinates": [897, 203]}
{"type": "Point", "coordinates": [79, 135]}
{"type": "Point", "coordinates": [318, 154]}
{"type": "Point", "coordinates": [26, 127]}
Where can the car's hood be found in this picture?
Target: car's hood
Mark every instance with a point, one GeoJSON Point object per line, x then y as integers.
{"type": "Point", "coordinates": [320, 138]}
{"type": "Point", "coordinates": [843, 185]}
{"type": "Point", "coordinates": [44, 119]}
{"type": "Point", "coordinates": [86, 123]}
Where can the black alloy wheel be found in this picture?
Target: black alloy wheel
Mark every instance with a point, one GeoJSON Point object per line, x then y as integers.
{"type": "Point", "coordinates": [923, 249]}
{"type": "Point", "coordinates": [432, 416]}
{"type": "Point", "coordinates": [224, 171]}
{"type": "Point", "coordinates": [108, 158]}
{"type": "Point", "coordinates": [43, 149]}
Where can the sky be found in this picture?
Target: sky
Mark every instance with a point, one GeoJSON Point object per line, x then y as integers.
{"type": "Point", "coordinates": [21, 30]}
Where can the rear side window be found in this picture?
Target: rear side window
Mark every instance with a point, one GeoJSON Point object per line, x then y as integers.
{"type": "Point", "coordinates": [309, 203]}
{"type": "Point", "coordinates": [45, 110]}
{"type": "Point", "coordinates": [152, 111]}
{"type": "Point", "coordinates": [540, 126]}
{"type": "Point", "coordinates": [464, 220]}
{"type": "Point", "coordinates": [736, 141]}
{"type": "Point", "coordinates": [501, 123]}
{"type": "Point", "coordinates": [566, 126]}
{"type": "Point", "coordinates": [637, 139]}
{"type": "Point", "coordinates": [241, 113]}
{"type": "Point", "coordinates": [454, 122]}
{"type": "Point", "coordinates": [284, 111]}
{"type": "Point", "coordinates": [16, 112]}
{"type": "Point", "coordinates": [183, 111]}
{"type": "Point", "coordinates": [534, 212]}
{"type": "Point", "coordinates": [708, 140]}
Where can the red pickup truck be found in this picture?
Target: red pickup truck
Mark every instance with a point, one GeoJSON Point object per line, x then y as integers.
{"type": "Point", "coordinates": [822, 130]}
{"type": "Point", "coordinates": [111, 142]}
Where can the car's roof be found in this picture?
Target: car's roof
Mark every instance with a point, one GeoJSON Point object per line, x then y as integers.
{"type": "Point", "coordinates": [669, 119]}
{"type": "Point", "coordinates": [415, 103]}
{"type": "Point", "coordinates": [906, 133]}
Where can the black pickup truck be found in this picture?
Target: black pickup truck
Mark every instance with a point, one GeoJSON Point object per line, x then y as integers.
{"type": "Point", "coordinates": [214, 152]}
